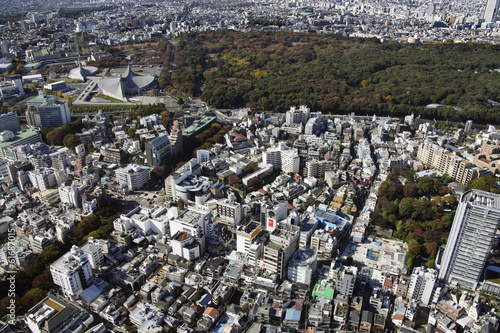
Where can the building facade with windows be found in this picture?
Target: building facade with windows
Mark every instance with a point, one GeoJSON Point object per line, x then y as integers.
{"type": "Point", "coordinates": [133, 176]}
{"type": "Point", "coordinates": [72, 272]}
{"type": "Point", "coordinates": [473, 230]}
{"type": "Point", "coordinates": [158, 151]}
{"type": "Point", "coordinates": [9, 122]}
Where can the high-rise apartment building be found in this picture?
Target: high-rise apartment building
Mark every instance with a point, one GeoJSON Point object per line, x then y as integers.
{"type": "Point", "coordinates": [422, 285]}
{"type": "Point", "coordinates": [491, 11]}
{"type": "Point", "coordinates": [445, 162]}
{"type": "Point", "coordinates": [284, 241]}
{"type": "Point", "coordinates": [94, 252]}
{"type": "Point", "coordinates": [282, 158]}
{"type": "Point", "coordinates": [474, 227]}
{"type": "Point", "coordinates": [158, 151]}
{"type": "Point", "coordinates": [46, 178]}
{"type": "Point", "coordinates": [300, 116]}
{"type": "Point", "coordinates": [71, 192]}
{"type": "Point", "coordinates": [72, 272]}
{"type": "Point", "coordinates": [176, 138]}
{"type": "Point", "coordinates": [315, 168]}
{"type": "Point", "coordinates": [468, 126]}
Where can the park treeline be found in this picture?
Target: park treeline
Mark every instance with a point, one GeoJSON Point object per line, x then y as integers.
{"type": "Point", "coordinates": [337, 74]}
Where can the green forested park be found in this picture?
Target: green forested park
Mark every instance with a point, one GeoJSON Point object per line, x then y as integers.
{"type": "Point", "coordinates": [336, 74]}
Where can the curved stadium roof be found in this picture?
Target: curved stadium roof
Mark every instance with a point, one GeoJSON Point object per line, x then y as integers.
{"type": "Point", "coordinates": [81, 72]}
{"type": "Point", "coordinates": [127, 84]}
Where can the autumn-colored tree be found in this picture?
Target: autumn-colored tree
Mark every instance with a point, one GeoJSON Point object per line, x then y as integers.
{"type": "Point", "coordinates": [90, 222]}
{"type": "Point", "coordinates": [32, 297]}
{"type": "Point", "coordinates": [431, 264]}
{"type": "Point", "coordinates": [443, 190]}
{"type": "Point", "coordinates": [71, 141]}
{"type": "Point", "coordinates": [431, 249]}
{"type": "Point", "coordinates": [50, 254]}
{"type": "Point", "coordinates": [432, 236]}
{"type": "Point", "coordinates": [451, 200]}
{"type": "Point", "coordinates": [33, 266]}
{"type": "Point", "coordinates": [252, 182]}
{"type": "Point", "coordinates": [160, 172]}
{"type": "Point", "coordinates": [234, 179]}
{"type": "Point", "coordinates": [43, 281]}
{"type": "Point", "coordinates": [5, 302]}
{"type": "Point", "coordinates": [484, 183]}
{"type": "Point", "coordinates": [251, 168]}
{"type": "Point", "coordinates": [56, 137]}
{"type": "Point", "coordinates": [410, 190]}
{"type": "Point", "coordinates": [415, 248]}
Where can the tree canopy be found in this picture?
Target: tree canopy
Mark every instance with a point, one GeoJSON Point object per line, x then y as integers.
{"type": "Point", "coordinates": [331, 73]}
{"type": "Point", "coordinates": [416, 213]}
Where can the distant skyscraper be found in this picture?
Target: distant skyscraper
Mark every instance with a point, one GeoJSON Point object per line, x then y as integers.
{"type": "Point", "coordinates": [468, 126]}
{"type": "Point", "coordinates": [491, 11]}
{"type": "Point", "coordinates": [474, 227]}
{"type": "Point", "coordinates": [431, 9]}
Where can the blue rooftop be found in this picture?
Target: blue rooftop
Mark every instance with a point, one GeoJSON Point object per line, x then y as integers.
{"type": "Point", "coordinates": [222, 324]}
{"type": "Point", "coordinates": [330, 219]}
{"type": "Point", "coordinates": [90, 293]}
{"type": "Point", "coordinates": [292, 315]}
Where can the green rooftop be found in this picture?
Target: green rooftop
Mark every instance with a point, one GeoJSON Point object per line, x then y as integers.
{"type": "Point", "coordinates": [273, 245]}
{"type": "Point", "coordinates": [324, 290]}
{"type": "Point", "coordinates": [19, 136]}
{"type": "Point", "coordinates": [37, 99]}
{"type": "Point", "coordinates": [197, 125]}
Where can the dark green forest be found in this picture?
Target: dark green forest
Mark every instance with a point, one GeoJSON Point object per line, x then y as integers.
{"type": "Point", "coordinates": [336, 74]}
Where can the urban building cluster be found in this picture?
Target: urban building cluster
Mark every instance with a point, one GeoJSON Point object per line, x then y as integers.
{"type": "Point", "coordinates": [116, 22]}
{"type": "Point", "coordinates": [268, 229]}
{"type": "Point", "coordinates": [265, 230]}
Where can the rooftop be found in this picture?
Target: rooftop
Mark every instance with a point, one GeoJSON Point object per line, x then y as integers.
{"type": "Point", "coordinates": [249, 227]}
{"type": "Point", "coordinates": [483, 199]}
{"type": "Point", "coordinates": [325, 290]}
{"type": "Point", "coordinates": [273, 245]}
{"type": "Point", "coordinates": [189, 217]}
{"type": "Point", "coordinates": [197, 125]}
{"type": "Point", "coordinates": [388, 255]}
{"type": "Point", "coordinates": [19, 136]}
